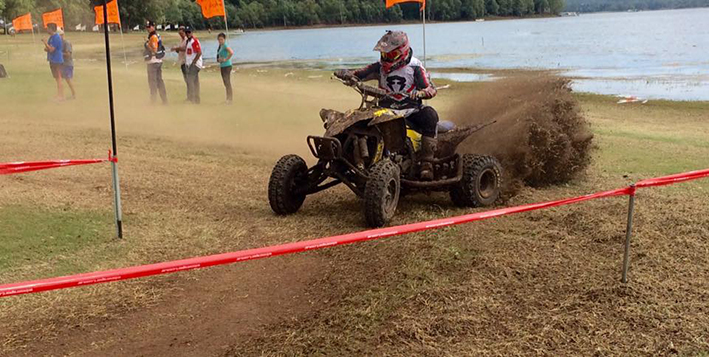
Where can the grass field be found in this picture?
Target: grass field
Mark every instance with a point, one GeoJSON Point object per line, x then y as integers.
{"type": "Point", "coordinates": [194, 182]}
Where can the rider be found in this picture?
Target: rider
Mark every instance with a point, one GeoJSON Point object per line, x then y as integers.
{"type": "Point", "coordinates": [406, 83]}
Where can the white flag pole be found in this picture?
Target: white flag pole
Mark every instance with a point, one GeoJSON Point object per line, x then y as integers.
{"type": "Point", "coordinates": [423, 10]}
{"type": "Point", "coordinates": [32, 24]}
{"type": "Point", "coordinates": [123, 43]}
{"type": "Point", "coordinates": [226, 22]}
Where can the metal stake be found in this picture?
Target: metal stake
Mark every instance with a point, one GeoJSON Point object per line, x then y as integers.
{"type": "Point", "coordinates": [114, 164]}
{"type": "Point", "coordinates": [628, 234]}
{"type": "Point", "coordinates": [117, 200]}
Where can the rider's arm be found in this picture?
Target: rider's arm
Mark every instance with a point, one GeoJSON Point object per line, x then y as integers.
{"type": "Point", "coordinates": [368, 73]}
{"type": "Point", "coordinates": [425, 87]}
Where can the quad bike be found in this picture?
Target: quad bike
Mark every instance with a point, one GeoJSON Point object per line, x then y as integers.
{"type": "Point", "coordinates": [373, 151]}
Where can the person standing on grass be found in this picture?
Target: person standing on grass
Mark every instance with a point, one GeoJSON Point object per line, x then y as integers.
{"type": "Point", "coordinates": [68, 67]}
{"type": "Point", "coordinates": [224, 54]}
{"type": "Point", "coordinates": [193, 58]}
{"type": "Point", "coordinates": [181, 56]}
{"type": "Point", "coordinates": [153, 55]}
{"type": "Point", "coordinates": [55, 56]}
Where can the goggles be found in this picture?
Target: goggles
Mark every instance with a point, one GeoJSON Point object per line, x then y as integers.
{"type": "Point", "coordinates": [392, 56]}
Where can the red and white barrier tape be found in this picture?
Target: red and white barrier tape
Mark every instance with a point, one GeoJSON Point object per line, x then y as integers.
{"type": "Point", "coordinates": [19, 167]}
{"type": "Point", "coordinates": [63, 282]}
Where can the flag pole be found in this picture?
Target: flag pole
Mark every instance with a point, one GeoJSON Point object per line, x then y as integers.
{"type": "Point", "coordinates": [423, 10]}
{"type": "Point", "coordinates": [123, 43]}
{"type": "Point", "coordinates": [114, 162]}
{"type": "Point", "coordinates": [32, 28]}
{"type": "Point", "coordinates": [226, 22]}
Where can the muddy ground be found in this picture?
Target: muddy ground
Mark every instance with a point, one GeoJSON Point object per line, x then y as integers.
{"type": "Point", "coordinates": [194, 183]}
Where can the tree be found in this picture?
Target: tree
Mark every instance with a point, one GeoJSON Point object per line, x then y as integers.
{"type": "Point", "coordinates": [14, 8]}
{"type": "Point", "coordinates": [556, 6]}
{"type": "Point", "coordinates": [492, 7]}
{"type": "Point", "coordinates": [332, 11]}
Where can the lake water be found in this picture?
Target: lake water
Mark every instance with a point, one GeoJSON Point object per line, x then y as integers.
{"type": "Point", "coordinates": [656, 54]}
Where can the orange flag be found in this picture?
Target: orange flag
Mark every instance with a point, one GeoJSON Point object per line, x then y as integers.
{"type": "Point", "coordinates": [114, 16]}
{"type": "Point", "coordinates": [212, 8]}
{"type": "Point", "coordinates": [23, 22]}
{"type": "Point", "coordinates": [391, 3]}
{"type": "Point", "coordinates": [53, 17]}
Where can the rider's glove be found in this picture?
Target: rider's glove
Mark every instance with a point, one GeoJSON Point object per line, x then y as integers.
{"type": "Point", "coordinates": [344, 74]}
{"type": "Point", "coordinates": [426, 93]}
{"type": "Point", "coordinates": [416, 95]}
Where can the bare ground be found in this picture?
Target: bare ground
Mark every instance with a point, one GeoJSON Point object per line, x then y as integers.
{"type": "Point", "coordinates": [194, 183]}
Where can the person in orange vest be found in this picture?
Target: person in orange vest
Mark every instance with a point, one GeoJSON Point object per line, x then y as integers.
{"type": "Point", "coordinates": [153, 55]}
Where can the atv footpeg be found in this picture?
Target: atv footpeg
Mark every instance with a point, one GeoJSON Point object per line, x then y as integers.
{"type": "Point", "coordinates": [325, 148]}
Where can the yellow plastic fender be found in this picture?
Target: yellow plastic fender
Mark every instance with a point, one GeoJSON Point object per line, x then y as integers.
{"type": "Point", "coordinates": [415, 138]}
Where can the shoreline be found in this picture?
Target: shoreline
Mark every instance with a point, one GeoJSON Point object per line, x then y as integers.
{"type": "Point", "coordinates": [406, 22]}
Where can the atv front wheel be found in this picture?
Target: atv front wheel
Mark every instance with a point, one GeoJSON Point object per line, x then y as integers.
{"type": "Point", "coordinates": [381, 193]}
{"type": "Point", "coordinates": [288, 177]}
{"type": "Point", "coordinates": [481, 183]}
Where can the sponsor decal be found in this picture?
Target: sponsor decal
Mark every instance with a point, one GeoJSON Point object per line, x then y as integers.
{"type": "Point", "coordinates": [184, 267]}
{"type": "Point", "coordinates": [321, 245]}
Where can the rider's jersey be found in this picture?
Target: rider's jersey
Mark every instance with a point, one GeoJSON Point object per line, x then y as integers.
{"type": "Point", "coordinates": [400, 83]}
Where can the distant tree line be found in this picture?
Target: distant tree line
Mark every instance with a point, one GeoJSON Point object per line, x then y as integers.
{"type": "Point", "coordinates": [624, 5]}
{"type": "Point", "coordinates": [282, 13]}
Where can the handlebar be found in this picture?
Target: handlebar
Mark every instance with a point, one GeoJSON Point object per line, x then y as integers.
{"type": "Point", "coordinates": [363, 88]}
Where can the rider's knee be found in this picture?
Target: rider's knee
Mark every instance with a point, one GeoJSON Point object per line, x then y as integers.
{"type": "Point", "coordinates": [429, 122]}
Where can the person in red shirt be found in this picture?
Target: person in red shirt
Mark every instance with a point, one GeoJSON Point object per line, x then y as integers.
{"type": "Point", "coordinates": [193, 60]}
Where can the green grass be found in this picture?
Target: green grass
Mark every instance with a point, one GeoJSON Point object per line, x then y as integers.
{"type": "Point", "coordinates": [30, 236]}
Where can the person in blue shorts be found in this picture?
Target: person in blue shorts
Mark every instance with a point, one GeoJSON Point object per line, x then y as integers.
{"type": "Point", "coordinates": [68, 68]}
{"type": "Point", "coordinates": [55, 56]}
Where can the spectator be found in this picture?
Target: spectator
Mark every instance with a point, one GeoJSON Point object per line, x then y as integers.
{"type": "Point", "coordinates": [55, 56]}
{"type": "Point", "coordinates": [68, 67]}
{"type": "Point", "coordinates": [193, 58]}
{"type": "Point", "coordinates": [153, 55]}
{"type": "Point", "coordinates": [224, 54]}
{"type": "Point", "coordinates": [181, 56]}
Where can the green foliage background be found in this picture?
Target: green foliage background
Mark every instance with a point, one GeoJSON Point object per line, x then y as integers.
{"type": "Point", "coordinates": [280, 13]}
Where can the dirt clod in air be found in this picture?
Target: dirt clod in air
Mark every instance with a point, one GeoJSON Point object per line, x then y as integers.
{"type": "Point", "coordinates": [540, 137]}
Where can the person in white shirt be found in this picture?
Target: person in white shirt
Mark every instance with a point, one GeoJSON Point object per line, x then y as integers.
{"type": "Point", "coordinates": [193, 60]}
{"type": "Point", "coordinates": [181, 57]}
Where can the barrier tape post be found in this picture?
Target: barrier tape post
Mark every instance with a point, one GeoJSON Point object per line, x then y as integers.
{"type": "Point", "coordinates": [114, 162]}
{"type": "Point", "coordinates": [117, 198]}
{"type": "Point", "coordinates": [628, 233]}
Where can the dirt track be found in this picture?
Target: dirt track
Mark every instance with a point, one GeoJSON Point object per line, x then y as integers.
{"type": "Point", "coordinates": [538, 283]}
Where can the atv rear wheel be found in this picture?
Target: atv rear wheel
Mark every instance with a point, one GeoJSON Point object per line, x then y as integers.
{"type": "Point", "coordinates": [481, 183]}
{"type": "Point", "coordinates": [381, 193]}
{"type": "Point", "coordinates": [288, 176]}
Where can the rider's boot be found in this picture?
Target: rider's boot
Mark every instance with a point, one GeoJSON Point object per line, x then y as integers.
{"type": "Point", "coordinates": [428, 148]}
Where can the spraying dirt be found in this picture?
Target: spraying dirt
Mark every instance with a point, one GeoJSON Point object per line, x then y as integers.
{"type": "Point", "coordinates": [540, 136]}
